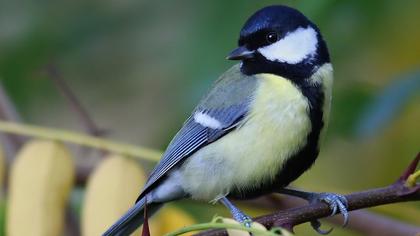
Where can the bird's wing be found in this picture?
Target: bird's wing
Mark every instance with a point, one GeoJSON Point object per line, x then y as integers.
{"type": "Point", "coordinates": [220, 111]}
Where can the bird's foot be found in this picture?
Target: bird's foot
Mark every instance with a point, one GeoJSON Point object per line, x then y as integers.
{"type": "Point", "coordinates": [316, 225]}
{"type": "Point", "coordinates": [335, 202]}
{"type": "Point", "coordinates": [237, 214]}
{"type": "Point", "coordinates": [243, 219]}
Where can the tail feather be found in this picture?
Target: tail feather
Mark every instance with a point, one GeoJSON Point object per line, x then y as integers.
{"type": "Point", "coordinates": [132, 219]}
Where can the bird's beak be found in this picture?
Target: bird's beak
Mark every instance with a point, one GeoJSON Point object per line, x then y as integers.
{"type": "Point", "coordinates": [241, 53]}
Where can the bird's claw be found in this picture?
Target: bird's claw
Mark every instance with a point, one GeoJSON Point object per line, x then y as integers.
{"type": "Point", "coordinates": [335, 202]}
{"type": "Point", "coordinates": [316, 225]}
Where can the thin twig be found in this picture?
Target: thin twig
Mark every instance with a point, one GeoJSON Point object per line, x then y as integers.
{"type": "Point", "coordinates": [80, 139]}
{"type": "Point", "coordinates": [8, 111]}
{"type": "Point", "coordinates": [410, 169]}
{"type": "Point", "coordinates": [86, 120]}
{"type": "Point", "coordinates": [394, 193]}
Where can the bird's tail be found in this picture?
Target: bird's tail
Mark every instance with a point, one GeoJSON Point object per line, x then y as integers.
{"type": "Point", "coordinates": [132, 219]}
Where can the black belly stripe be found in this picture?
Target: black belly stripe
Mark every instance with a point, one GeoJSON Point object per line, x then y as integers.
{"type": "Point", "coordinates": [303, 160]}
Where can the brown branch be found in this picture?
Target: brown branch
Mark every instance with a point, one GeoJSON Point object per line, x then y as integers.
{"type": "Point", "coordinates": [361, 221]}
{"type": "Point", "coordinates": [394, 193]}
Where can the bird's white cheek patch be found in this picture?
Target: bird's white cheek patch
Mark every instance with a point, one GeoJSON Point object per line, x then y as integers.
{"type": "Point", "coordinates": [207, 121]}
{"type": "Point", "coordinates": [293, 48]}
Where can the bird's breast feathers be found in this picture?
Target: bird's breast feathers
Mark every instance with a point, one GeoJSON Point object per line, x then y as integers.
{"type": "Point", "coordinates": [275, 128]}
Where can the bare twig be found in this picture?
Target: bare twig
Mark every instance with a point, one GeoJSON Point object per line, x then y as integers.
{"type": "Point", "coordinates": [86, 120]}
{"type": "Point", "coordinates": [8, 111]}
{"type": "Point", "coordinates": [394, 193]}
{"type": "Point", "coordinates": [410, 169]}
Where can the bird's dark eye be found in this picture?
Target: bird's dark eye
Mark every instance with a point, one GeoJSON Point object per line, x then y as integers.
{"type": "Point", "coordinates": [272, 37]}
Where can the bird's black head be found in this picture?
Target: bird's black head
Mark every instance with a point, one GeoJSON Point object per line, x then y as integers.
{"type": "Point", "coordinates": [280, 40]}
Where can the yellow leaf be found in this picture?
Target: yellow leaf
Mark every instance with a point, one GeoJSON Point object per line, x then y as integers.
{"type": "Point", "coordinates": [170, 219]}
{"type": "Point", "coordinates": [40, 182]}
{"type": "Point", "coordinates": [111, 190]}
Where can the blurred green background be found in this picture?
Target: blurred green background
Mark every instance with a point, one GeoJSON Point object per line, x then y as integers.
{"type": "Point", "coordinates": [141, 66]}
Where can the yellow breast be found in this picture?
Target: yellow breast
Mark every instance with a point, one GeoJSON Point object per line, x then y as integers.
{"type": "Point", "coordinates": [275, 128]}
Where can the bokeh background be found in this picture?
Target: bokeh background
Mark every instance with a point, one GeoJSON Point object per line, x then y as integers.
{"type": "Point", "coordinates": [139, 67]}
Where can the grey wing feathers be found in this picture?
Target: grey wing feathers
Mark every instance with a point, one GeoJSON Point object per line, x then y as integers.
{"type": "Point", "coordinates": [188, 139]}
{"type": "Point", "coordinates": [227, 102]}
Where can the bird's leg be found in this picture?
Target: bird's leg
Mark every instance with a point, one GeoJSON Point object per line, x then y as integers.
{"type": "Point", "coordinates": [333, 200]}
{"type": "Point", "coordinates": [237, 214]}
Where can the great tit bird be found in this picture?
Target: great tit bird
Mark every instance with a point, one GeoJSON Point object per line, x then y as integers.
{"type": "Point", "coordinates": [258, 128]}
